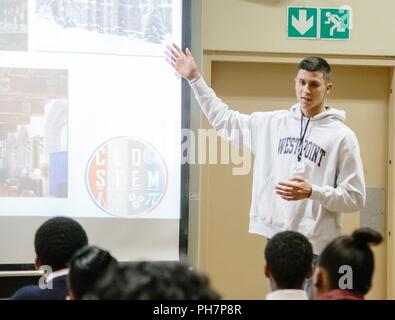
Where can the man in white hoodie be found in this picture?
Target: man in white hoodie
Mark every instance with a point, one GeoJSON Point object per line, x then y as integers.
{"type": "Point", "coordinates": [308, 167]}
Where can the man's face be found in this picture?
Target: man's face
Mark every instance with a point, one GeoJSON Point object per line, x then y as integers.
{"type": "Point", "coordinates": [311, 90]}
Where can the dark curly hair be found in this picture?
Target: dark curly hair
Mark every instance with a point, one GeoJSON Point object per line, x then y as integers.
{"type": "Point", "coordinates": [289, 257]}
{"type": "Point", "coordinates": [57, 239]}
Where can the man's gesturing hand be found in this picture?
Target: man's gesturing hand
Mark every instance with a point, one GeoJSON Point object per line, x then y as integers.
{"type": "Point", "coordinates": [183, 63]}
{"type": "Point", "coordinates": [294, 189]}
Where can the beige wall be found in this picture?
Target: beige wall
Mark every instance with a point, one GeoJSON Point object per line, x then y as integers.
{"type": "Point", "coordinates": [260, 26]}
{"type": "Point", "coordinates": [235, 32]}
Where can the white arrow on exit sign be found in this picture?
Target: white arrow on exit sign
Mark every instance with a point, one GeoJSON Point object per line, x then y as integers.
{"type": "Point", "coordinates": [302, 25]}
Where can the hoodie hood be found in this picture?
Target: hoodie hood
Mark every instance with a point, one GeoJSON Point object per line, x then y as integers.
{"type": "Point", "coordinates": [329, 113]}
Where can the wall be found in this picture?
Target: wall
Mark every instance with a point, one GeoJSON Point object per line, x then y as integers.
{"type": "Point", "coordinates": [260, 26]}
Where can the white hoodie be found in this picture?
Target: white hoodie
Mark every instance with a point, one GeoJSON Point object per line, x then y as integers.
{"type": "Point", "coordinates": [330, 154]}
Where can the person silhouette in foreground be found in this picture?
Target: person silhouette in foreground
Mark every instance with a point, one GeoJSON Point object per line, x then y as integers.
{"type": "Point", "coordinates": [346, 266]}
{"type": "Point", "coordinates": [55, 242]}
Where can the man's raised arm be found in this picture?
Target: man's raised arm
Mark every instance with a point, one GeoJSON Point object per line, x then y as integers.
{"type": "Point", "coordinates": [230, 124]}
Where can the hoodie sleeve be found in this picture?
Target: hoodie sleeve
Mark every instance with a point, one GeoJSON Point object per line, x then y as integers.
{"type": "Point", "coordinates": [230, 124]}
{"type": "Point", "coordinates": [349, 193]}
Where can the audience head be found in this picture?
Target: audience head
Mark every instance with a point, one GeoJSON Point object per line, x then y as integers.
{"type": "Point", "coordinates": [87, 266]}
{"type": "Point", "coordinates": [56, 240]}
{"type": "Point", "coordinates": [153, 281]}
{"type": "Point", "coordinates": [289, 257]}
{"type": "Point", "coordinates": [353, 252]}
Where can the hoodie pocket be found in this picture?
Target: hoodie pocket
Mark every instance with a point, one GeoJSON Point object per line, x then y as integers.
{"type": "Point", "coordinates": [268, 207]}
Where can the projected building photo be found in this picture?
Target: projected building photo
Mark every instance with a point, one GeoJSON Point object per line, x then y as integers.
{"type": "Point", "coordinates": [33, 133]}
{"type": "Point", "coordinates": [13, 25]}
{"type": "Point", "coordinates": [129, 27]}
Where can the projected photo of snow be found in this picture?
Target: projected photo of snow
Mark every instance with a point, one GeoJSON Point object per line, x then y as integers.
{"type": "Point", "coordinates": [121, 27]}
{"type": "Point", "coordinates": [13, 25]}
{"type": "Point", "coordinates": [33, 133]}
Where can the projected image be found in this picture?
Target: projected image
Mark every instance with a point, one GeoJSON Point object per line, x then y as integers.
{"type": "Point", "coordinates": [33, 133]}
{"type": "Point", "coordinates": [13, 25]}
{"type": "Point", "coordinates": [125, 27]}
{"type": "Point", "coordinates": [126, 177]}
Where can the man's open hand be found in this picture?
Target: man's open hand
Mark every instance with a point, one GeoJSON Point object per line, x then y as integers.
{"type": "Point", "coordinates": [183, 63]}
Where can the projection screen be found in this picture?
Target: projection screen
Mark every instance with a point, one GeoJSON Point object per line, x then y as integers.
{"type": "Point", "coordinates": [90, 124]}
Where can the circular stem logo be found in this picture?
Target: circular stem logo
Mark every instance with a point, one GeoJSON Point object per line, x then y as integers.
{"type": "Point", "coordinates": [126, 177]}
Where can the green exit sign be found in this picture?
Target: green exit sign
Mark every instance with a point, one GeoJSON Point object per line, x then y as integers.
{"type": "Point", "coordinates": [319, 23]}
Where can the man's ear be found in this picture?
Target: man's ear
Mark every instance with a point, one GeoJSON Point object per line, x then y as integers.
{"type": "Point", "coordinates": [267, 271]}
{"type": "Point", "coordinates": [329, 87]}
{"type": "Point", "coordinates": [318, 278]}
{"type": "Point", "coordinates": [37, 263]}
{"type": "Point", "coordinates": [321, 280]}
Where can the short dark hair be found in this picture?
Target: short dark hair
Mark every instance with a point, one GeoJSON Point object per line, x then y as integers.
{"type": "Point", "coordinates": [316, 64]}
{"type": "Point", "coordinates": [353, 251]}
{"type": "Point", "coordinates": [57, 239]}
{"type": "Point", "coordinates": [87, 266]}
{"type": "Point", "coordinates": [289, 257]}
{"type": "Point", "coordinates": [154, 281]}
